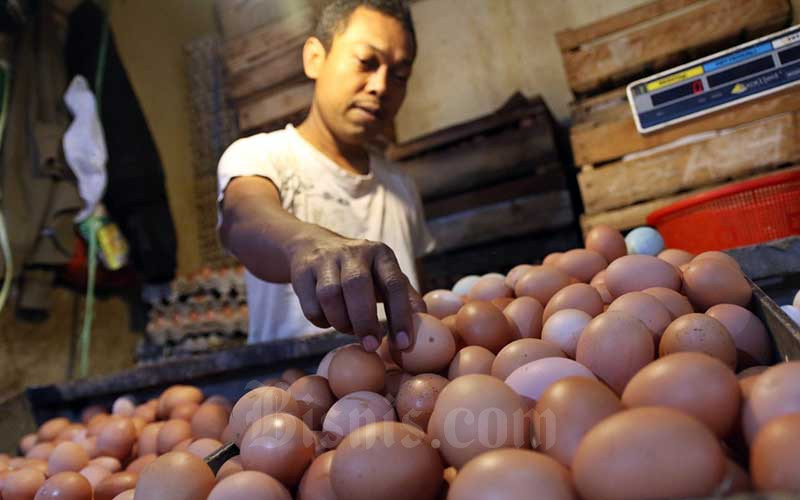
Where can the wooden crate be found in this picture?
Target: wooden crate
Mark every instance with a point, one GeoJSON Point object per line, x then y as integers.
{"type": "Point", "coordinates": [275, 106]}
{"type": "Point", "coordinates": [659, 35]}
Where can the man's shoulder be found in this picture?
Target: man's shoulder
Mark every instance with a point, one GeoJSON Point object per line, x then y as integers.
{"type": "Point", "coordinates": [263, 141]}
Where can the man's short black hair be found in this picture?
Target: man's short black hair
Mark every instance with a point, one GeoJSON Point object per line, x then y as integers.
{"type": "Point", "coordinates": [334, 17]}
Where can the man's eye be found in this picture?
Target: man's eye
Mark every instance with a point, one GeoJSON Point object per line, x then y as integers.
{"type": "Point", "coordinates": [369, 63]}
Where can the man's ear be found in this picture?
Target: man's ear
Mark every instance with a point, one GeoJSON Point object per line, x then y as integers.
{"type": "Point", "coordinates": [314, 54]}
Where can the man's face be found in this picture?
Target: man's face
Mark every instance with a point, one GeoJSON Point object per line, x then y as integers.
{"type": "Point", "coordinates": [362, 81]}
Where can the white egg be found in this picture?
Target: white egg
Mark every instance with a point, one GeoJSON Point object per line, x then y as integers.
{"type": "Point", "coordinates": [564, 328]}
{"type": "Point", "coordinates": [793, 312]}
{"type": "Point", "coordinates": [796, 302]}
{"type": "Point", "coordinates": [496, 275]}
{"type": "Point", "coordinates": [531, 380]}
{"type": "Point", "coordinates": [464, 285]}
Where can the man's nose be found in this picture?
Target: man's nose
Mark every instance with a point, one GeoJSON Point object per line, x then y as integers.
{"type": "Point", "coordinates": [377, 81]}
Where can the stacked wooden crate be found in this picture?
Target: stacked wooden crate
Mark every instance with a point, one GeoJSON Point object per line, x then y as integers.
{"type": "Point", "coordinates": [494, 191]}
{"type": "Point", "coordinates": [625, 175]}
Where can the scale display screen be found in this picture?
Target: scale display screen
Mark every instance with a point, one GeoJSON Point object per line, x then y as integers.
{"type": "Point", "coordinates": [739, 74]}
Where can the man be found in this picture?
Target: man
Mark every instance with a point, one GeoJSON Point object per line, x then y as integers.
{"type": "Point", "coordinates": [309, 206]}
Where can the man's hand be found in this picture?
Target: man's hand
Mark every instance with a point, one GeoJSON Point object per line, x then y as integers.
{"type": "Point", "coordinates": [339, 282]}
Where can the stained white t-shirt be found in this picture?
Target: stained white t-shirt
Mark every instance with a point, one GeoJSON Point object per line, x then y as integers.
{"type": "Point", "coordinates": [383, 205]}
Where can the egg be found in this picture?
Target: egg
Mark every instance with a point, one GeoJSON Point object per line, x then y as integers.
{"type": "Point", "coordinates": [289, 375]}
{"type": "Point", "coordinates": [793, 313]}
{"type": "Point", "coordinates": [325, 363]}
{"type": "Point", "coordinates": [582, 264]}
{"type": "Point", "coordinates": [647, 309]}
{"type": "Point", "coordinates": [471, 360]}
{"type": "Point", "coordinates": [50, 429]}
{"type": "Point", "coordinates": [218, 400]}
{"type": "Point", "coordinates": [432, 349]}
{"type": "Point", "coordinates": [417, 398]}
{"type": "Point", "coordinates": [657, 453]}
{"type": "Point", "coordinates": [541, 283]}
{"type": "Point", "coordinates": [551, 259]}
{"type": "Point", "coordinates": [521, 352]}
{"type": "Point", "coordinates": [481, 323]}
{"type": "Point", "coordinates": [796, 301]}
{"type": "Point", "coordinates": [526, 314]}
{"type": "Point", "coordinates": [489, 287]}
{"type": "Point", "coordinates": [204, 447]}
{"type": "Point", "coordinates": [676, 257]}
{"type": "Point", "coordinates": [510, 474]}
{"type": "Point", "coordinates": [249, 485]}
{"type": "Point", "coordinates": [123, 406]}
{"type": "Point", "coordinates": [96, 423]}
{"type": "Point", "coordinates": [699, 333]}
{"type": "Point", "coordinates": [357, 410]}
{"type": "Point", "coordinates": [634, 273]}
{"type": "Point", "coordinates": [27, 442]}
{"type": "Point", "coordinates": [709, 282]}
{"type": "Point", "coordinates": [65, 485]}
{"type": "Point", "coordinates": [735, 480]}
{"type": "Point", "coordinates": [148, 438]}
{"type": "Point", "coordinates": [749, 334]}
{"type": "Point", "coordinates": [279, 445]}
{"type": "Point", "coordinates": [41, 451]}
{"type": "Point", "coordinates": [606, 241]}
{"type": "Point", "coordinates": [775, 455]}
{"type": "Point", "coordinates": [229, 468]}
{"type": "Point", "coordinates": [140, 463]}
{"type": "Point", "coordinates": [693, 383]}
{"type": "Point", "coordinates": [644, 241]}
{"type": "Point", "coordinates": [474, 414]}
{"type": "Point", "coordinates": [530, 380]}
{"type": "Point", "coordinates": [260, 402]}
{"type": "Point", "coordinates": [502, 302]}
{"type": "Point", "coordinates": [576, 296]}
{"type": "Point", "coordinates": [94, 474]}
{"type": "Point", "coordinates": [22, 484]}
{"type": "Point", "coordinates": [110, 463]}
{"type": "Point", "coordinates": [176, 395]}
{"type": "Point", "coordinates": [721, 257]}
{"type": "Point", "coordinates": [463, 286]}
{"type": "Point", "coordinates": [677, 304]}
{"type": "Point", "coordinates": [314, 398]}
{"type": "Point", "coordinates": [614, 346]}
{"type": "Point", "coordinates": [67, 457]}
{"type": "Point", "coordinates": [416, 469]}
{"type": "Point", "coordinates": [316, 482]}
{"type": "Point", "coordinates": [209, 421]}
{"type": "Point", "coordinates": [563, 329]}
{"type": "Point", "coordinates": [515, 274]}
{"type": "Point", "coordinates": [353, 369]}
{"type": "Point", "coordinates": [175, 476]}
{"type": "Point", "coordinates": [71, 432]}
{"type": "Point", "coordinates": [116, 438]}
{"type": "Point", "coordinates": [35, 463]}
{"type": "Point", "coordinates": [146, 413]}
{"type": "Point", "coordinates": [126, 495]}
{"type": "Point", "coordinates": [91, 411]}
{"type": "Point", "coordinates": [566, 411]}
{"type": "Point", "coordinates": [776, 392]}
{"type": "Point", "coordinates": [599, 284]}
{"type": "Point", "coordinates": [171, 434]}
{"type": "Point", "coordinates": [115, 484]}
{"type": "Point", "coordinates": [442, 303]}
{"type": "Point", "coordinates": [394, 379]}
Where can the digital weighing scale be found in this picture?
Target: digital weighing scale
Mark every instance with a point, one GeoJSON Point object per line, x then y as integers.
{"type": "Point", "coordinates": [721, 80]}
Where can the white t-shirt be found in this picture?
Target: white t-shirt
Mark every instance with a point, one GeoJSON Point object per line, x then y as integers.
{"type": "Point", "coordinates": [383, 205]}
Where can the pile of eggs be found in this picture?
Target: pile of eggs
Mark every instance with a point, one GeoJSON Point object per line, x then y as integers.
{"type": "Point", "coordinates": [596, 375]}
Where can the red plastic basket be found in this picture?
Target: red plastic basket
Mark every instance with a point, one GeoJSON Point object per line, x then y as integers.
{"type": "Point", "coordinates": [744, 213]}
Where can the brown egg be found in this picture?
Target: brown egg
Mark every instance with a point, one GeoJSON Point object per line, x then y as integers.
{"type": "Point", "coordinates": [385, 352]}
{"type": "Point", "coordinates": [551, 259]}
{"type": "Point", "coordinates": [65, 485]}
{"type": "Point", "coordinates": [116, 438]}
{"type": "Point", "coordinates": [489, 287]}
{"type": "Point", "coordinates": [699, 333]}
{"type": "Point", "coordinates": [171, 434]}
{"type": "Point", "coordinates": [526, 313]}
{"type": "Point", "coordinates": [204, 447]}
{"type": "Point", "coordinates": [89, 444]}
{"type": "Point", "coordinates": [148, 438]}
{"type": "Point", "coordinates": [249, 485]}
{"type": "Point", "coordinates": [91, 411]}
{"type": "Point", "coordinates": [280, 445]}
{"type": "Point", "coordinates": [175, 476]}
{"type": "Point", "coordinates": [94, 474]}
{"type": "Point", "coordinates": [482, 324]}
{"type": "Point", "coordinates": [183, 445]}
{"type": "Point", "coordinates": [22, 484]}
{"type": "Point", "coordinates": [71, 432]}
{"type": "Point", "coordinates": [582, 264]}
{"type": "Point", "coordinates": [27, 443]}
{"type": "Point", "coordinates": [140, 463]}
{"type": "Point", "coordinates": [67, 457]}
{"type": "Point", "coordinates": [353, 369]}
{"type": "Point", "coordinates": [677, 304]}
{"type": "Point", "coordinates": [115, 484]}
{"type": "Point", "coordinates": [657, 453]}
{"type": "Point", "coordinates": [184, 411]}
{"type": "Point", "coordinates": [96, 423]}
{"type": "Point", "coordinates": [110, 463]}
{"type": "Point", "coordinates": [209, 421]}
{"type": "Point", "coordinates": [501, 302]}
{"type": "Point", "coordinates": [176, 395]}
{"type": "Point", "coordinates": [290, 375]}
{"type": "Point", "coordinates": [416, 469]}
{"type": "Point", "coordinates": [417, 397]}
{"type": "Point", "coordinates": [566, 411]}
{"type": "Point", "coordinates": [563, 329]}
{"type": "Point", "coordinates": [471, 360]}
{"type": "Point", "coordinates": [521, 352]}
{"type": "Point", "coordinates": [775, 454]}
{"type": "Point", "coordinates": [219, 401]}
{"type": "Point", "coordinates": [457, 424]}
{"type": "Point", "coordinates": [775, 393]}
{"type": "Point", "coordinates": [229, 468]}
{"type": "Point", "coordinates": [634, 273]}
{"type": "Point", "coordinates": [442, 303]}
{"type": "Point", "coordinates": [51, 429]}
{"type": "Point", "coordinates": [126, 495]}
{"type": "Point", "coordinates": [691, 382]}
{"type": "Point", "coordinates": [316, 482]}
{"type": "Point", "coordinates": [599, 284]}
{"type": "Point", "coordinates": [41, 451]}
{"type": "Point", "coordinates": [394, 379]}
{"type": "Point", "coordinates": [577, 296]}
{"type": "Point", "coordinates": [541, 283]}
{"type": "Point", "coordinates": [433, 346]}
{"type": "Point", "coordinates": [356, 410]}
{"type": "Point", "coordinates": [752, 371]}
{"type": "Point", "coordinates": [614, 346]}
{"type": "Point", "coordinates": [647, 309]}
{"type": "Point", "coordinates": [735, 480]}
{"type": "Point", "coordinates": [709, 282]}
{"type": "Point", "coordinates": [606, 241]}
{"type": "Point", "coordinates": [515, 274]}
{"type": "Point", "coordinates": [510, 473]}
{"type": "Point", "coordinates": [314, 398]}
{"type": "Point", "coordinates": [36, 463]}
{"type": "Point", "coordinates": [719, 257]}
{"type": "Point", "coordinates": [146, 413]}
{"type": "Point", "coordinates": [753, 344]}
{"type": "Point", "coordinates": [325, 362]}
{"type": "Point", "coordinates": [258, 403]}
{"type": "Point", "coordinates": [676, 257]}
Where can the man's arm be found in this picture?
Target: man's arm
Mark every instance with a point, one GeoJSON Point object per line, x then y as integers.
{"type": "Point", "coordinates": [338, 280]}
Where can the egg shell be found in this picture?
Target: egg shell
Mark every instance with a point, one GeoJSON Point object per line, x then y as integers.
{"type": "Point", "coordinates": [721, 257]}
{"type": "Point", "coordinates": [279, 445]}
{"type": "Point", "coordinates": [314, 398]}
{"type": "Point", "coordinates": [65, 485]}
{"type": "Point", "coordinates": [353, 369]}
{"type": "Point", "coordinates": [634, 273]}
{"type": "Point", "coordinates": [175, 476]}
{"type": "Point", "coordinates": [27, 442]}
{"type": "Point", "coordinates": [171, 434]}
{"type": "Point", "coordinates": [356, 410]}
{"type": "Point", "coordinates": [91, 411]}
{"type": "Point", "coordinates": [41, 451]}
{"type": "Point", "coordinates": [526, 313]}
{"type": "Point", "coordinates": [582, 264]}
{"type": "Point", "coordinates": [532, 379]}
{"type": "Point", "coordinates": [566, 411]}
{"type": "Point", "coordinates": [516, 273]}
{"type": "Point", "coordinates": [50, 429]}
{"type": "Point", "coordinates": [658, 453]}
{"type": "Point", "coordinates": [463, 286]}
{"type": "Point", "coordinates": [749, 334]}
{"type": "Point", "coordinates": [116, 438]}
{"type": "Point", "coordinates": [481, 323]}
{"type": "Point", "coordinates": [645, 241]}
{"type": "Point", "coordinates": [140, 463]}
{"type": "Point", "coordinates": [22, 484]}
{"type": "Point", "coordinates": [258, 403]}
{"type": "Point", "coordinates": [699, 333]}
{"type": "Point", "coordinates": [776, 392]}
{"type": "Point", "coordinates": [229, 468]}
{"type": "Point", "coordinates": [124, 406]}
{"type": "Point", "coordinates": [71, 432]}
{"type": "Point", "coordinates": [614, 346]}
{"type": "Point", "coordinates": [176, 395]}
{"type": "Point", "coordinates": [489, 287]}
{"type": "Point", "coordinates": [677, 304]}
{"type": "Point", "coordinates": [204, 447]}
{"type": "Point", "coordinates": [67, 457]}
{"type": "Point", "coordinates": [94, 474]}
{"type": "Point", "coordinates": [126, 495]}
{"type": "Point", "coordinates": [115, 484]}
{"type": "Point", "coordinates": [541, 283]}
{"type": "Point", "coordinates": [148, 438]}
{"type": "Point", "coordinates": [709, 282]}
{"type": "Point", "coordinates": [96, 423]}
{"type": "Point", "coordinates": [577, 296]}
{"type": "Point", "coordinates": [606, 241]}
{"type": "Point", "coordinates": [249, 485]}
{"type": "Point", "coordinates": [563, 329]}
{"type": "Point", "coordinates": [442, 303]}
{"type": "Point", "coordinates": [521, 352]}
{"type": "Point", "coordinates": [471, 360]}
{"type": "Point", "coordinates": [432, 349]}
{"type": "Point", "coordinates": [394, 379]}
{"type": "Point", "coordinates": [209, 421]}
{"type": "Point", "coordinates": [552, 258]}
{"type": "Point", "coordinates": [325, 362]}
{"type": "Point", "coordinates": [775, 454]}
{"type": "Point", "coordinates": [647, 309]}
{"type": "Point", "coordinates": [316, 482]}
{"type": "Point", "coordinates": [676, 257]}
{"type": "Point", "coordinates": [289, 375]}
{"type": "Point", "coordinates": [417, 398]}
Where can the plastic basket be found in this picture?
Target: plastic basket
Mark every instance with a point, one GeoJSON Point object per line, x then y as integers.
{"type": "Point", "coordinates": [742, 213]}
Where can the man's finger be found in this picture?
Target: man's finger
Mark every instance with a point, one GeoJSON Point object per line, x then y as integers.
{"type": "Point", "coordinates": [305, 285]}
{"type": "Point", "coordinates": [359, 297]}
{"type": "Point", "coordinates": [415, 299]}
{"type": "Point", "coordinates": [329, 294]}
{"type": "Point", "coordinates": [394, 288]}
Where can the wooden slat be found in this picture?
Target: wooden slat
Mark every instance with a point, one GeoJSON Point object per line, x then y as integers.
{"type": "Point", "coordinates": [502, 220]}
{"type": "Point", "coordinates": [276, 105]}
{"type": "Point", "coordinates": [572, 38]}
{"type": "Point", "coordinates": [615, 134]}
{"type": "Point", "coordinates": [621, 56]}
{"type": "Point", "coordinates": [278, 70]}
{"type": "Point", "coordinates": [731, 153]}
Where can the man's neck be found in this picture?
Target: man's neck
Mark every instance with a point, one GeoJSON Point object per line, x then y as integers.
{"type": "Point", "coordinates": [353, 159]}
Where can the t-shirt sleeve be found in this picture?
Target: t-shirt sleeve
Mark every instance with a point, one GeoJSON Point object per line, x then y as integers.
{"type": "Point", "coordinates": [423, 241]}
